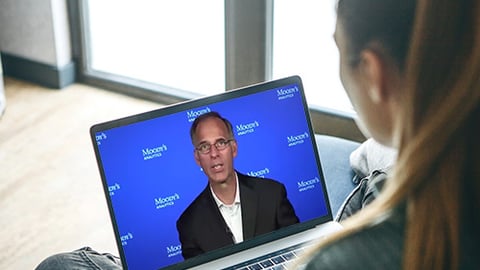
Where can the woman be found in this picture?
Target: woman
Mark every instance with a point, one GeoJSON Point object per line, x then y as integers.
{"type": "Point", "coordinates": [412, 72]}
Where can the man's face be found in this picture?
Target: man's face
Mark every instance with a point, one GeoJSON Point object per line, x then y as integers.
{"type": "Point", "coordinates": [217, 164]}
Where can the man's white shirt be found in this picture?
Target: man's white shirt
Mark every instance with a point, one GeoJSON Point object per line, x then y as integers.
{"type": "Point", "coordinates": [232, 214]}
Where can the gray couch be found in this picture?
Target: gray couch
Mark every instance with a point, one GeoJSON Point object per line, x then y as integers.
{"type": "Point", "coordinates": [335, 160]}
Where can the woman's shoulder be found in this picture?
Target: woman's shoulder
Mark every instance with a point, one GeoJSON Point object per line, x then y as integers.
{"type": "Point", "coordinates": [378, 246]}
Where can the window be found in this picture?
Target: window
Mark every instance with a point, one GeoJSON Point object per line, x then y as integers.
{"type": "Point", "coordinates": [303, 44]}
{"type": "Point", "coordinates": [178, 44]}
{"type": "Point", "coordinates": [178, 49]}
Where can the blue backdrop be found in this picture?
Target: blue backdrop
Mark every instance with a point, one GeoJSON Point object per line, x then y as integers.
{"type": "Point", "coordinates": [152, 176]}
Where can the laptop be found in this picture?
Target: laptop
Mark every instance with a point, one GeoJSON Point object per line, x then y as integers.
{"type": "Point", "coordinates": [150, 177]}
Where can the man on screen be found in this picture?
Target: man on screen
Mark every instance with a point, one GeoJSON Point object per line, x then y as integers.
{"type": "Point", "coordinates": [233, 207]}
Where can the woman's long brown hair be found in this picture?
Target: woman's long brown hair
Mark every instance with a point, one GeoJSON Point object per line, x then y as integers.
{"type": "Point", "coordinates": [436, 44]}
{"type": "Point", "coordinates": [438, 167]}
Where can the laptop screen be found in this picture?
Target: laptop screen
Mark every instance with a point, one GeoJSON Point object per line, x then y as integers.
{"type": "Point", "coordinates": [150, 175]}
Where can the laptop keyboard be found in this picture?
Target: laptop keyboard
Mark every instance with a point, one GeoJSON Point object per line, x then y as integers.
{"type": "Point", "coordinates": [278, 260]}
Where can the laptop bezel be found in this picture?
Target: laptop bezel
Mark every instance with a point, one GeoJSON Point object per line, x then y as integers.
{"type": "Point", "coordinates": [199, 102]}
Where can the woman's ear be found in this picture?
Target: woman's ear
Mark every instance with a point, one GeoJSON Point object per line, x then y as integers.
{"type": "Point", "coordinates": [372, 68]}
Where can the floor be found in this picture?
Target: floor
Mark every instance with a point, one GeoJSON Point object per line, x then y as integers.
{"type": "Point", "coordinates": [51, 198]}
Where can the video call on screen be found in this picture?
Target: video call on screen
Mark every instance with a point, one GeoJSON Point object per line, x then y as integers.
{"type": "Point", "coordinates": [152, 176]}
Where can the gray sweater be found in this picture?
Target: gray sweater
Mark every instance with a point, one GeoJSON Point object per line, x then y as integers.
{"type": "Point", "coordinates": [377, 247]}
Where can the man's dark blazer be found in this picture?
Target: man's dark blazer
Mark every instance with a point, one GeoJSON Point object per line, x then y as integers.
{"type": "Point", "coordinates": [265, 208]}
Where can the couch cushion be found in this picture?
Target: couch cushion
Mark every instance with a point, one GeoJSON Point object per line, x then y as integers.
{"type": "Point", "coordinates": [335, 159]}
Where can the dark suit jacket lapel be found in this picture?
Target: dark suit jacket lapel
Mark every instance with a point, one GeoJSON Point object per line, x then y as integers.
{"type": "Point", "coordinates": [212, 207]}
{"type": "Point", "coordinates": [248, 200]}
{"type": "Point", "coordinates": [215, 219]}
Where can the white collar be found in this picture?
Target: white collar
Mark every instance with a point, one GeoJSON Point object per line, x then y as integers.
{"type": "Point", "coordinates": [237, 194]}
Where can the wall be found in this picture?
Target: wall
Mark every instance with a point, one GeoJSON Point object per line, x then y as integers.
{"type": "Point", "coordinates": [35, 41]}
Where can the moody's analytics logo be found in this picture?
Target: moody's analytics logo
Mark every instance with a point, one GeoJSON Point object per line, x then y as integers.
{"type": "Point", "coordinates": [155, 152]}
{"type": "Point", "coordinates": [174, 250]}
{"type": "Point", "coordinates": [113, 188]}
{"type": "Point", "coordinates": [100, 137]}
{"type": "Point", "coordinates": [125, 238]}
{"type": "Point", "coordinates": [305, 185]}
{"type": "Point", "coordinates": [284, 93]}
{"type": "Point", "coordinates": [162, 202]}
{"type": "Point", "coordinates": [192, 114]}
{"type": "Point", "coordinates": [246, 128]}
{"type": "Point", "coordinates": [297, 139]}
{"type": "Point", "coordinates": [260, 173]}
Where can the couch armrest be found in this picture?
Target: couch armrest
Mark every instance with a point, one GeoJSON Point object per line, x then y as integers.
{"type": "Point", "coordinates": [334, 158]}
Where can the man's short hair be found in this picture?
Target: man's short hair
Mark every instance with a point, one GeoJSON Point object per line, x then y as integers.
{"type": "Point", "coordinates": [208, 115]}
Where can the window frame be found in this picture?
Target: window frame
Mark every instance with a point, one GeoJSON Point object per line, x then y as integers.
{"type": "Point", "coordinates": [246, 20]}
{"type": "Point", "coordinates": [240, 70]}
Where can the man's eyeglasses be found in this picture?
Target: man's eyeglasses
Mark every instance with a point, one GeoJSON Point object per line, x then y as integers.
{"type": "Point", "coordinates": [220, 144]}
